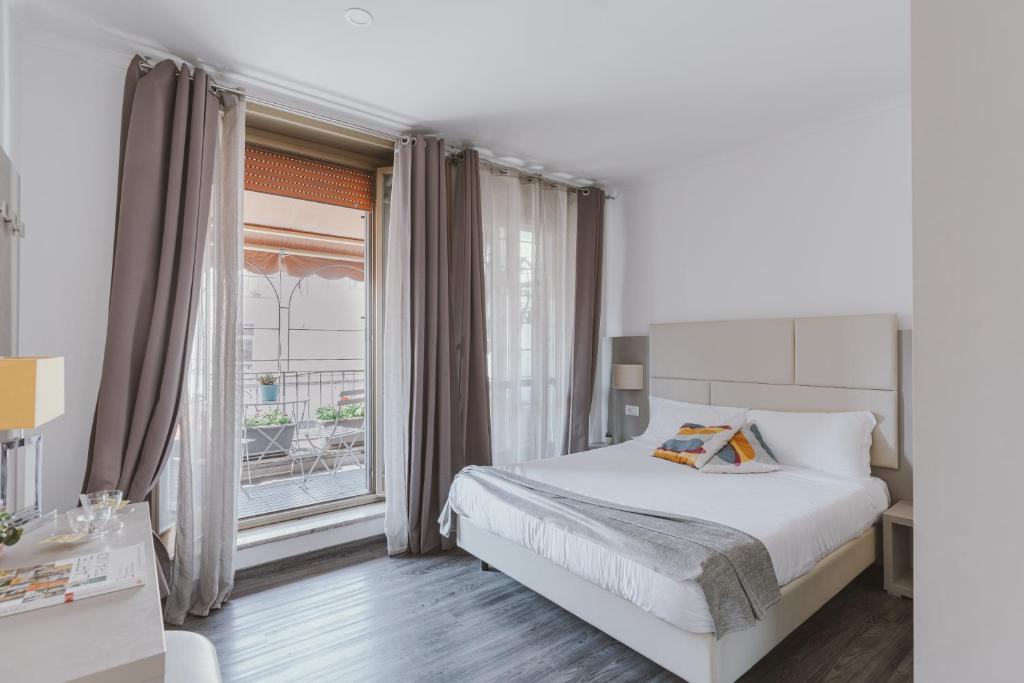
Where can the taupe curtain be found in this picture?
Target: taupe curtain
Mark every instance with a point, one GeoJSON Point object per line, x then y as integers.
{"type": "Point", "coordinates": [587, 320]}
{"type": "Point", "coordinates": [431, 423]}
{"type": "Point", "coordinates": [471, 444]}
{"type": "Point", "coordinates": [449, 424]}
{"type": "Point", "coordinates": [168, 141]}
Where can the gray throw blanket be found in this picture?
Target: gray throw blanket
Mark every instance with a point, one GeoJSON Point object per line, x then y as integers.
{"type": "Point", "coordinates": [733, 569]}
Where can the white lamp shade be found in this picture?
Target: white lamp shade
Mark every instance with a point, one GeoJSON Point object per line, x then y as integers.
{"type": "Point", "coordinates": [627, 376]}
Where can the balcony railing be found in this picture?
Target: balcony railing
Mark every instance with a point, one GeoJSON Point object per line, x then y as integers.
{"type": "Point", "coordinates": [319, 387]}
{"type": "Point", "coordinates": [306, 461]}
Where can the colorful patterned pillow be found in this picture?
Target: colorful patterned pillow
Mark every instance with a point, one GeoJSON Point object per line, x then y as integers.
{"type": "Point", "coordinates": [747, 452]}
{"type": "Point", "coordinates": [694, 444]}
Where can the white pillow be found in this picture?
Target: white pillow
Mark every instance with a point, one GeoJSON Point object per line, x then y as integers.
{"type": "Point", "coordinates": [838, 443]}
{"type": "Point", "coordinates": [667, 416]}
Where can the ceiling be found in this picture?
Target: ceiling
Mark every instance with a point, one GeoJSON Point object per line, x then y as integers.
{"type": "Point", "coordinates": [602, 89]}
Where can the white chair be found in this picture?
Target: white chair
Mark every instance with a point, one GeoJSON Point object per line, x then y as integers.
{"type": "Point", "coordinates": [340, 436]}
{"type": "Point", "coordinates": [190, 658]}
{"type": "Point", "coordinates": [349, 436]}
{"type": "Point", "coordinates": [309, 430]}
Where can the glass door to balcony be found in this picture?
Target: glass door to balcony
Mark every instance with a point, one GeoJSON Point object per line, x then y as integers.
{"type": "Point", "coordinates": [308, 295]}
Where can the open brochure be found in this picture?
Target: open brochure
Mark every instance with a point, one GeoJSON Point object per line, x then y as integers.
{"type": "Point", "coordinates": [54, 583]}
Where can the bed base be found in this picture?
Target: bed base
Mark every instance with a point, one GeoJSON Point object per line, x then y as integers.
{"type": "Point", "coordinates": [696, 657]}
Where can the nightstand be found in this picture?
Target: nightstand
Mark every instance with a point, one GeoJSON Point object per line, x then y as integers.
{"type": "Point", "coordinates": [898, 548]}
{"type": "Point", "coordinates": [597, 444]}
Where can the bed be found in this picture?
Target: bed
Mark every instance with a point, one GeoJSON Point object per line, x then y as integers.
{"type": "Point", "coordinates": [819, 529]}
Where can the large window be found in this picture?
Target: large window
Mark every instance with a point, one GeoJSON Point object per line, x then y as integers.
{"type": "Point", "coordinates": [529, 250]}
{"type": "Point", "coordinates": [315, 206]}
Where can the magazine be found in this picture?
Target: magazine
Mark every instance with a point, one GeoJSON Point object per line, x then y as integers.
{"type": "Point", "coordinates": [54, 583]}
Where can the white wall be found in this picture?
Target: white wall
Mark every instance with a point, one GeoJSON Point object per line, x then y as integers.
{"type": "Point", "coordinates": [969, 339]}
{"type": "Point", "coordinates": [68, 109]}
{"type": "Point", "coordinates": [815, 223]}
{"type": "Point", "coordinates": [6, 74]}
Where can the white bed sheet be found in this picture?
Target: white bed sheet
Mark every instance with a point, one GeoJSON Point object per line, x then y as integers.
{"type": "Point", "coordinates": [800, 515]}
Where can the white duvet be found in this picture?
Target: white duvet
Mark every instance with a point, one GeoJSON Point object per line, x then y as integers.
{"type": "Point", "coordinates": [800, 515]}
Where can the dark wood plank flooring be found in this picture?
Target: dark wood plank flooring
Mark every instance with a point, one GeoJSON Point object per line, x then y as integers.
{"type": "Point", "coordinates": [353, 614]}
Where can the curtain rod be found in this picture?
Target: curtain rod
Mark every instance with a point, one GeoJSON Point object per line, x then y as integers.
{"type": "Point", "coordinates": [508, 169]}
{"type": "Point", "coordinates": [512, 170]}
{"type": "Point", "coordinates": [147, 63]}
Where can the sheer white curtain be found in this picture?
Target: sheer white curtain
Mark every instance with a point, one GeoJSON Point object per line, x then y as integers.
{"type": "Point", "coordinates": [529, 265]}
{"type": "Point", "coordinates": [210, 422]}
{"type": "Point", "coordinates": [394, 447]}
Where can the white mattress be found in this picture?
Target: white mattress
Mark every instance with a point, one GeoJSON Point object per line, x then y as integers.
{"type": "Point", "coordinates": [800, 515]}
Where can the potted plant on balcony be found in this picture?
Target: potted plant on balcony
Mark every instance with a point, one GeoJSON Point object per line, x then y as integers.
{"type": "Point", "coordinates": [10, 533]}
{"type": "Point", "coordinates": [268, 432]}
{"type": "Point", "coordinates": [334, 419]}
{"type": "Point", "coordinates": [268, 388]}
{"type": "Point", "coordinates": [350, 415]}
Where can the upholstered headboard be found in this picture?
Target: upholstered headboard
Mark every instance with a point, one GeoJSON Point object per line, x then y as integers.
{"type": "Point", "coordinates": [799, 364]}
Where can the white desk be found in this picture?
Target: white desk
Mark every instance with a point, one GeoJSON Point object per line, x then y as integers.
{"type": "Point", "coordinates": [113, 638]}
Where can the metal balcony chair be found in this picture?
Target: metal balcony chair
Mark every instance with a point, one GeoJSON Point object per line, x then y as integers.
{"type": "Point", "coordinates": [338, 437]}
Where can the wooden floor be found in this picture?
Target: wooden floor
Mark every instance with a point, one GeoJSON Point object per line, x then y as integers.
{"type": "Point", "coordinates": [356, 615]}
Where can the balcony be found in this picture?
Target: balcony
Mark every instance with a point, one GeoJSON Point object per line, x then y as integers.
{"type": "Point", "coordinates": [304, 443]}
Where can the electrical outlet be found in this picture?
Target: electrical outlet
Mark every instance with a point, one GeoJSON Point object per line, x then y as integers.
{"type": "Point", "coordinates": [633, 410]}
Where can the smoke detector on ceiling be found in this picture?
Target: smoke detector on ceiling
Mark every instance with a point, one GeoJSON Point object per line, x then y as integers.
{"type": "Point", "coordinates": [358, 17]}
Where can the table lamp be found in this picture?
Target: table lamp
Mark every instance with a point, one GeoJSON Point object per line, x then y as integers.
{"type": "Point", "coordinates": [31, 394]}
{"type": "Point", "coordinates": [627, 376]}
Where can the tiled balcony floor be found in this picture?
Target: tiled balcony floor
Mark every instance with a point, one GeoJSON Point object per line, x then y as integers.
{"type": "Point", "coordinates": [289, 492]}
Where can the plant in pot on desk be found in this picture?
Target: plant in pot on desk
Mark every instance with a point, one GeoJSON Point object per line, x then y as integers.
{"type": "Point", "coordinates": [10, 533]}
{"type": "Point", "coordinates": [268, 432]}
{"type": "Point", "coordinates": [268, 388]}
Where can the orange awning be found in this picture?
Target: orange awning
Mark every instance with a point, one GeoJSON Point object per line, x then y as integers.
{"type": "Point", "coordinates": [304, 253]}
{"type": "Point", "coordinates": [269, 263]}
